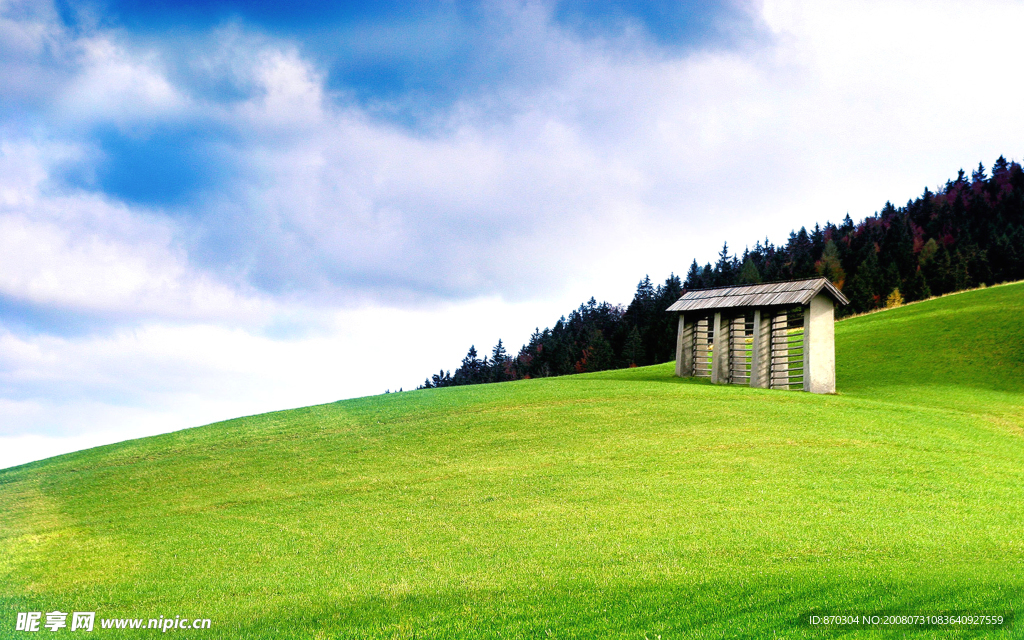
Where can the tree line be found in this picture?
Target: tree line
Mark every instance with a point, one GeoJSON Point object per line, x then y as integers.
{"type": "Point", "coordinates": [968, 233]}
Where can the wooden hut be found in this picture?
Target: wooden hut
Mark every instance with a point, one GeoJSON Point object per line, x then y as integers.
{"type": "Point", "coordinates": [776, 336]}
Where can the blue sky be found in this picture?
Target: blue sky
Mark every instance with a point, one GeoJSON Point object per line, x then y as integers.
{"type": "Point", "coordinates": [403, 63]}
{"type": "Point", "coordinates": [210, 209]}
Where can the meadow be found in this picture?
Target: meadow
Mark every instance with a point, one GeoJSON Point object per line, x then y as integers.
{"type": "Point", "coordinates": [625, 503]}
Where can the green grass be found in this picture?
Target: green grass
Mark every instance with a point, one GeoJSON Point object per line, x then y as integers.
{"type": "Point", "coordinates": [621, 504]}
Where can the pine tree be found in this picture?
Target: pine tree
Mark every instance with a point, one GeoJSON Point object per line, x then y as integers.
{"type": "Point", "coordinates": [597, 355]}
{"type": "Point", "coordinates": [938, 271]}
{"type": "Point", "coordinates": [633, 349]}
{"type": "Point", "coordinates": [817, 240]}
{"type": "Point", "coordinates": [723, 273]}
{"type": "Point", "coordinates": [499, 370]}
{"type": "Point", "coordinates": [928, 252]}
{"type": "Point", "coordinates": [860, 294]}
{"type": "Point", "coordinates": [1015, 262]}
{"type": "Point", "coordinates": [748, 272]}
{"type": "Point", "coordinates": [830, 266]}
{"type": "Point", "coordinates": [961, 277]}
{"type": "Point", "coordinates": [707, 275]}
{"type": "Point", "coordinates": [645, 310]}
{"type": "Point", "coordinates": [644, 290]}
{"type": "Point", "coordinates": [670, 290]}
{"type": "Point", "coordinates": [471, 369]}
{"type": "Point", "coordinates": [978, 175]}
{"type": "Point", "coordinates": [891, 280]}
{"type": "Point", "coordinates": [865, 285]}
{"type": "Point", "coordinates": [917, 287]}
{"type": "Point", "coordinates": [693, 278]}
{"type": "Point", "coordinates": [801, 257]}
{"type": "Point", "coordinates": [979, 268]}
{"type": "Point", "coordinates": [1000, 167]}
{"type": "Point", "coordinates": [1001, 257]}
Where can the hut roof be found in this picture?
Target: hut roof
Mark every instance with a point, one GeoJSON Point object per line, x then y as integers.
{"type": "Point", "coordinates": [791, 293]}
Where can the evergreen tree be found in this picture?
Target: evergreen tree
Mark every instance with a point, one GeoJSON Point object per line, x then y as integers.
{"type": "Point", "coordinates": [801, 256]}
{"type": "Point", "coordinates": [868, 283]}
{"type": "Point", "coordinates": [961, 277]}
{"type": "Point", "coordinates": [978, 175]}
{"type": "Point", "coordinates": [671, 290]}
{"type": "Point", "coordinates": [847, 227]}
{"type": "Point", "coordinates": [471, 369]}
{"type": "Point", "coordinates": [707, 275]}
{"type": "Point", "coordinates": [817, 240]}
{"type": "Point", "coordinates": [1002, 257]}
{"type": "Point", "coordinates": [943, 271]}
{"type": "Point", "coordinates": [748, 272]}
{"type": "Point", "coordinates": [499, 369]}
{"type": "Point", "coordinates": [661, 345]}
{"type": "Point", "coordinates": [644, 290]}
{"type": "Point", "coordinates": [928, 252]}
{"type": "Point", "coordinates": [1000, 168]}
{"type": "Point", "coordinates": [693, 278]}
{"type": "Point", "coordinates": [917, 287]}
{"type": "Point", "coordinates": [891, 280]}
{"type": "Point", "coordinates": [830, 266]}
{"type": "Point", "coordinates": [978, 267]}
{"type": "Point", "coordinates": [633, 349]}
{"type": "Point", "coordinates": [597, 355]}
{"type": "Point", "coordinates": [936, 267]}
{"type": "Point", "coordinates": [1015, 262]}
{"type": "Point", "coordinates": [723, 273]}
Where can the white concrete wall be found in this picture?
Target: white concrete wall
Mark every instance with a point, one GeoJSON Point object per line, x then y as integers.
{"type": "Point", "coordinates": [820, 346]}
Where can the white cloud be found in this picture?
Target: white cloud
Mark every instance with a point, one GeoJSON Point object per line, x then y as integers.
{"type": "Point", "coordinates": [63, 393]}
{"type": "Point", "coordinates": [292, 91]}
{"type": "Point", "coordinates": [32, 50]}
{"type": "Point", "coordinates": [116, 86]}
{"type": "Point", "coordinates": [847, 107]}
{"type": "Point", "coordinates": [85, 253]}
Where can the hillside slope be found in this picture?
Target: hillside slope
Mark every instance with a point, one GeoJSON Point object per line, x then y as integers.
{"type": "Point", "coordinates": [624, 503]}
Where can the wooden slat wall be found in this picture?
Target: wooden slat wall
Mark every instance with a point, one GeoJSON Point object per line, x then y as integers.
{"type": "Point", "coordinates": [702, 338]}
{"type": "Point", "coordinates": [741, 331]}
{"type": "Point", "coordinates": [787, 350]}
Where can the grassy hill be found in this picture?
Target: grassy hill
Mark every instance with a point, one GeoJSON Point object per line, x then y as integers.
{"type": "Point", "coordinates": [627, 503]}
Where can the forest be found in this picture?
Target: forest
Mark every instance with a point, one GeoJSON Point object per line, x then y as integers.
{"type": "Point", "coordinates": [967, 234]}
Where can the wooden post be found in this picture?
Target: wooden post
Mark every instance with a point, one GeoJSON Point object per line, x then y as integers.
{"type": "Point", "coordinates": [760, 361]}
{"type": "Point", "coordinates": [807, 348]}
{"type": "Point", "coordinates": [819, 346]}
{"type": "Point", "coordinates": [689, 337]}
{"type": "Point", "coordinates": [684, 346]}
{"type": "Point", "coordinates": [720, 352]}
{"type": "Point", "coordinates": [679, 347]}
